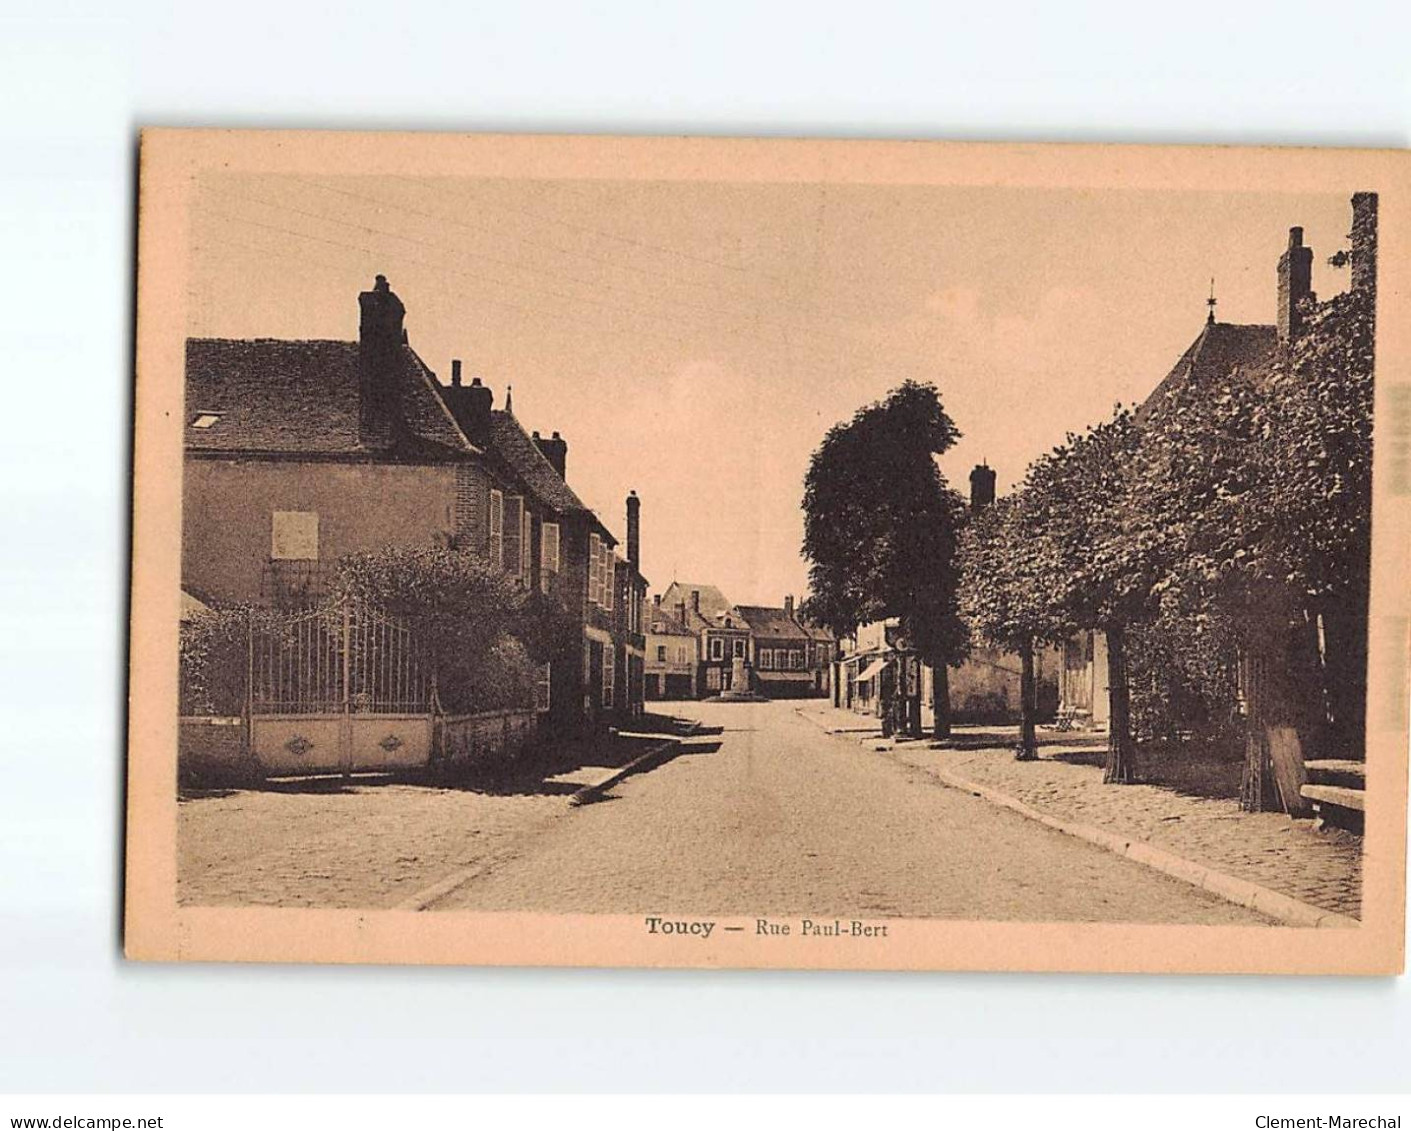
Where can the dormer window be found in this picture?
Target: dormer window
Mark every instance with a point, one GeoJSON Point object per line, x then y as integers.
{"type": "Point", "coordinates": [205, 419]}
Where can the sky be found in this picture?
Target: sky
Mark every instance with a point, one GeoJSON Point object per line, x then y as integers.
{"type": "Point", "coordinates": [694, 341]}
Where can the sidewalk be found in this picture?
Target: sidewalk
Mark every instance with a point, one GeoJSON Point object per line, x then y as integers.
{"type": "Point", "coordinates": [377, 841]}
{"type": "Point", "coordinates": [1321, 868]}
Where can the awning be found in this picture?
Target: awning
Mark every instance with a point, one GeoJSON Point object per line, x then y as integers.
{"type": "Point", "coordinates": [873, 670]}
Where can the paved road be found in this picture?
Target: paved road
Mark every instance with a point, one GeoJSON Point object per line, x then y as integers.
{"type": "Point", "coordinates": [773, 816]}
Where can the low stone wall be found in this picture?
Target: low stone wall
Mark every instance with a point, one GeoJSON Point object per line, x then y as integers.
{"type": "Point", "coordinates": [484, 738]}
{"type": "Point", "coordinates": [211, 746]}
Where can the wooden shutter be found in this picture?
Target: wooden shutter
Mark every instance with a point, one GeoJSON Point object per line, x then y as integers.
{"type": "Point", "coordinates": [548, 554]}
{"type": "Point", "coordinates": [513, 525]}
{"type": "Point", "coordinates": [595, 566]}
{"type": "Point", "coordinates": [497, 529]}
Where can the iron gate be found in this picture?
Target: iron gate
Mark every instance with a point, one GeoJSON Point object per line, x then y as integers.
{"type": "Point", "coordinates": [340, 688]}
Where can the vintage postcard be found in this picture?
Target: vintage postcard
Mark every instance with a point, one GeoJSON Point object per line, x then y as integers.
{"type": "Point", "coordinates": [729, 553]}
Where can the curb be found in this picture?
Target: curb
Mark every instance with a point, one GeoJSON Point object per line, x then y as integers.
{"type": "Point", "coordinates": [591, 793]}
{"type": "Point", "coordinates": [421, 900]}
{"type": "Point", "coordinates": [1244, 893]}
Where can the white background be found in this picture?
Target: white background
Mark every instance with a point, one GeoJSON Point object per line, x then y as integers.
{"type": "Point", "coordinates": [76, 80]}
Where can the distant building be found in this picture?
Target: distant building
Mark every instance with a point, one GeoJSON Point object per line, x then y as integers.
{"type": "Point", "coordinates": [672, 654]}
{"type": "Point", "coordinates": [721, 633]}
{"type": "Point", "coordinates": [779, 653]}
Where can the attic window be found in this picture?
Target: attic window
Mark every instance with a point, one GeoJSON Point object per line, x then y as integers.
{"type": "Point", "coordinates": [205, 419]}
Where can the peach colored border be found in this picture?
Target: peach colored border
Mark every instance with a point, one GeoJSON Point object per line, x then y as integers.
{"type": "Point", "coordinates": [157, 929]}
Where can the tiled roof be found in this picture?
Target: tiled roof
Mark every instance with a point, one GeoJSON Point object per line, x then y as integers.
{"type": "Point", "coordinates": [522, 456]}
{"type": "Point", "coordinates": [766, 621]}
{"type": "Point", "coordinates": [713, 601]}
{"type": "Point", "coordinates": [816, 631]}
{"type": "Point", "coordinates": [1220, 347]}
{"type": "Point", "coordinates": [302, 397]}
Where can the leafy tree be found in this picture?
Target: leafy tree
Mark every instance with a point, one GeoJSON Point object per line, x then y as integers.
{"type": "Point", "coordinates": [882, 529]}
{"type": "Point", "coordinates": [1002, 601]}
{"type": "Point", "coordinates": [1095, 559]}
{"type": "Point", "coordinates": [484, 633]}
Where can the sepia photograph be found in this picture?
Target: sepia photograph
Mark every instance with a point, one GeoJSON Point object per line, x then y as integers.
{"type": "Point", "coordinates": [643, 552]}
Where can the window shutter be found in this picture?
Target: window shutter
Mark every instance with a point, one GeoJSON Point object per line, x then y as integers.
{"type": "Point", "coordinates": [497, 529]}
{"type": "Point", "coordinates": [548, 554]}
{"type": "Point", "coordinates": [526, 547]}
{"type": "Point", "coordinates": [609, 660]}
{"type": "Point", "coordinates": [512, 523]}
{"type": "Point", "coordinates": [610, 568]}
{"type": "Point", "coordinates": [594, 569]}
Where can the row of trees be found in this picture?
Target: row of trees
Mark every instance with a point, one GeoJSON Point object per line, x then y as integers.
{"type": "Point", "coordinates": [1228, 530]}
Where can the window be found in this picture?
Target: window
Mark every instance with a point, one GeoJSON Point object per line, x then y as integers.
{"type": "Point", "coordinates": [548, 554]}
{"type": "Point", "coordinates": [681, 656]}
{"type": "Point", "coordinates": [497, 529]}
{"type": "Point", "coordinates": [661, 653]}
{"type": "Point", "coordinates": [739, 647]}
{"type": "Point", "coordinates": [717, 648]}
{"type": "Point", "coordinates": [713, 679]}
{"type": "Point", "coordinates": [543, 689]}
{"type": "Point", "coordinates": [796, 660]}
{"type": "Point", "coordinates": [609, 661]}
{"type": "Point", "coordinates": [610, 568]}
{"type": "Point", "coordinates": [512, 523]}
{"type": "Point", "coordinates": [294, 536]}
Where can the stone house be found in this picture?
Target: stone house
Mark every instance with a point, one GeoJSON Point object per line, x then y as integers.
{"type": "Point", "coordinates": [526, 518]}
{"type": "Point", "coordinates": [298, 453]}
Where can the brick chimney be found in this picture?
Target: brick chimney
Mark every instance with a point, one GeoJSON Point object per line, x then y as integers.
{"type": "Point", "coordinates": [555, 450]}
{"type": "Point", "coordinates": [982, 486]}
{"type": "Point", "coordinates": [681, 612]}
{"type": "Point", "coordinates": [1364, 241]}
{"type": "Point", "coordinates": [381, 336]}
{"type": "Point", "coordinates": [470, 405]}
{"type": "Point", "coordinates": [696, 601]}
{"type": "Point", "coordinates": [789, 605]}
{"type": "Point", "coordinates": [634, 531]}
{"type": "Point", "coordinates": [1295, 284]}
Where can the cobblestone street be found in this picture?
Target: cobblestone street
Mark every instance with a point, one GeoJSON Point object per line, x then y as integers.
{"type": "Point", "coordinates": [763, 811]}
{"type": "Point", "coordinates": [772, 815]}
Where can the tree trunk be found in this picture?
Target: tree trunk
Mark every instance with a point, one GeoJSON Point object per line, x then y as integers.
{"type": "Point", "coordinates": [1121, 766]}
{"type": "Point", "coordinates": [1028, 705]}
{"type": "Point", "coordinates": [940, 690]}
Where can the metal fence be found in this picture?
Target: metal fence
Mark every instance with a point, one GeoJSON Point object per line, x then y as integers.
{"type": "Point", "coordinates": [343, 658]}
